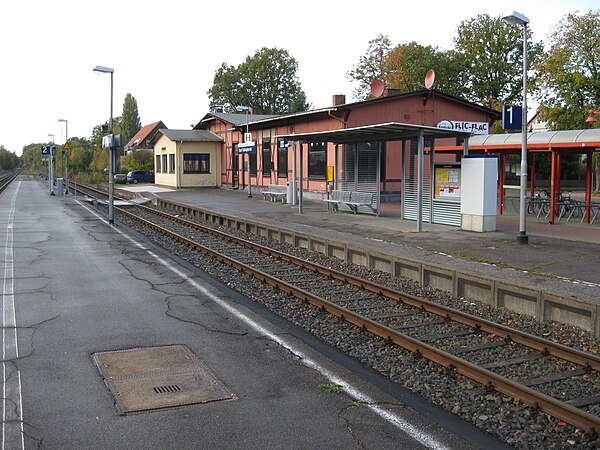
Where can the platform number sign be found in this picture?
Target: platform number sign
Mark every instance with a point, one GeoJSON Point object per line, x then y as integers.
{"type": "Point", "coordinates": [47, 149]}
{"type": "Point", "coordinates": [512, 117]}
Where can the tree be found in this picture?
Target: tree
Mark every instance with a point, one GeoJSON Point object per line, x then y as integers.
{"type": "Point", "coordinates": [130, 123]}
{"type": "Point", "coordinates": [138, 160]}
{"type": "Point", "coordinates": [370, 66]}
{"type": "Point", "coordinates": [266, 81]}
{"type": "Point", "coordinates": [8, 160]}
{"type": "Point", "coordinates": [569, 75]}
{"type": "Point", "coordinates": [405, 67]}
{"type": "Point", "coordinates": [491, 53]}
{"type": "Point", "coordinates": [80, 154]}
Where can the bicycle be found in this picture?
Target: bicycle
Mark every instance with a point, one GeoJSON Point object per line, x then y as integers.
{"type": "Point", "coordinates": [539, 203]}
{"type": "Point", "coordinates": [566, 207]}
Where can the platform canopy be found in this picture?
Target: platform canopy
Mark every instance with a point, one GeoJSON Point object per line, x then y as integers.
{"type": "Point", "coordinates": [581, 141]}
{"type": "Point", "coordinates": [384, 132]}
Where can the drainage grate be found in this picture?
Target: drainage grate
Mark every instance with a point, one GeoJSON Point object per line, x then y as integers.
{"type": "Point", "coordinates": [143, 379]}
{"type": "Point", "coordinates": [165, 389]}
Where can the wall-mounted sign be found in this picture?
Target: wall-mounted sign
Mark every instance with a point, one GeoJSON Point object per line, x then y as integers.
{"type": "Point", "coordinates": [464, 125]}
{"type": "Point", "coordinates": [247, 147]}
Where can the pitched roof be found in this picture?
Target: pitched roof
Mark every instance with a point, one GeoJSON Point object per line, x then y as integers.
{"type": "Point", "coordinates": [189, 135]}
{"type": "Point", "coordinates": [237, 119]}
{"type": "Point", "coordinates": [146, 133]}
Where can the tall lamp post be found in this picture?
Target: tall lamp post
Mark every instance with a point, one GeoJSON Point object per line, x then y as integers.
{"type": "Point", "coordinates": [51, 165]}
{"type": "Point", "coordinates": [66, 153]}
{"type": "Point", "coordinates": [111, 168]}
{"type": "Point", "coordinates": [247, 139]}
{"type": "Point", "coordinates": [518, 19]}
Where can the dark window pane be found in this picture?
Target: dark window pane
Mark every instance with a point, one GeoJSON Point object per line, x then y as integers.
{"type": "Point", "coordinates": [196, 163]}
{"type": "Point", "coordinates": [317, 160]}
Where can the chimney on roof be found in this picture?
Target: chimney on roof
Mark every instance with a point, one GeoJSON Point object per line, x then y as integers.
{"type": "Point", "coordinates": [339, 99]}
{"type": "Point", "coordinates": [390, 92]}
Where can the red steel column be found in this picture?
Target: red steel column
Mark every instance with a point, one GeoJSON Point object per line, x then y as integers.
{"type": "Point", "coordinates": [501, 180]}
{"type": "Point", "coordinates": [588, 186]}
{"type": "Point", "coordinates": [552, 185]}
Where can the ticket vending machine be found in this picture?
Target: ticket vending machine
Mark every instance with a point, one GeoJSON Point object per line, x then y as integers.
{"type": "Point", "coordinates": [479, 192]}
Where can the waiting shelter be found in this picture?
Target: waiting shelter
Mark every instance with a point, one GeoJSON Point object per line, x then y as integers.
{"type": "Point", "coordinates": [418, 198]}
{"type": "Point", "coordinates": [557, 143]}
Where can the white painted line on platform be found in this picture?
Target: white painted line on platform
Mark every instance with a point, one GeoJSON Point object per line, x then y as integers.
{"type": "Point", "coordinates": [12, 418]}
{"type": "Point", "coordinates": [414, 432]}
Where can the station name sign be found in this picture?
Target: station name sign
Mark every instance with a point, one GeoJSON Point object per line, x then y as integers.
{"type": "Point", "coordinates": [463, 125]}
{"type": "Point", "coordinates": [247, 147]}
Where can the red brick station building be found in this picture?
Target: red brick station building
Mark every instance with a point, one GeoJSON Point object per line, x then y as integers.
{"type": "Point", "coordinates": [400, 147]}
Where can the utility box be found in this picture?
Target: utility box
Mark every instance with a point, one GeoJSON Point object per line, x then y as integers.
{"type": "Point", "coordinates": [60, 186]}
{"type": "Point", "coordinates": [289, 190]}
{"type": "Point", "coordinates": [479, 193]}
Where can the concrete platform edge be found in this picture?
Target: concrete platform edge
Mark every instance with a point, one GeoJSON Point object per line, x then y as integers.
{"type": "Point", "coordinates": [539, 303]}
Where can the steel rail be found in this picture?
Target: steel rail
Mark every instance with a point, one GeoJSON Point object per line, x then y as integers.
{"type": "Point", "coordinates": [9, 178]}
{"type": "Point", "coordinates": [538, 400]}
{"type": "Point", "coordinates": [534, 342]}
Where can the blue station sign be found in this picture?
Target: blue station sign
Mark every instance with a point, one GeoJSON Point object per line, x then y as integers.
{"type": "Point", "coordinates": [512, 117]}
{"type": "Point", "coordinates": [247, 147]}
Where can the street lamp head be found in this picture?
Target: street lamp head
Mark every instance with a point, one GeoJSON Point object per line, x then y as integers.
{"type": "Point", "coordinates": [516, 19]}
{"type": "Point", "coordinates": [242, 108]}
{"type": "Point", "coordinates": [591, 118]}
{"type": "Point", "coordinates": [102, 69]}
{"type": "Point", "coordinates": [62, 120]}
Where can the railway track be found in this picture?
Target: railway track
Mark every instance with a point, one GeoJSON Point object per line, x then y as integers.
{"type": "Point", "coordinates": [6, 177]}
{"type": "Point", "coordinates": [483, 351]}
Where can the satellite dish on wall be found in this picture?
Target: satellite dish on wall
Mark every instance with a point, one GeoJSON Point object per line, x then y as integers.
{"type": "Point", "coordinates": [377, 88]}
{"type": "Point", "coordinates": [429, 78]}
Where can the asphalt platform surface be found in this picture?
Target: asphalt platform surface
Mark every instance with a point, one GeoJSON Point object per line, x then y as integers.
{"type": "Point", "coordinates": [563, 258]}
{"type": "Point", "coordinates": [74, 287]}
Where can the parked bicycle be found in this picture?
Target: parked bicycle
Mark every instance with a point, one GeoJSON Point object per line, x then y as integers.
{"type": "Point", "coordinates": [539, 203]}
{"type": "Point", "coordinates": [565, 206]}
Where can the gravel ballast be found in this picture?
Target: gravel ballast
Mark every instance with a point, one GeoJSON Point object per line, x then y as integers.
{"type": "Point", "coordinates": [504, 417]}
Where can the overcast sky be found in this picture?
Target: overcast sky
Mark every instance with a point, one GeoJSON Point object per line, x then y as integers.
{"type": "Point", "coordinates": [165, 53]}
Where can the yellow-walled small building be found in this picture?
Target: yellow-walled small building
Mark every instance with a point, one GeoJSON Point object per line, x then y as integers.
{"type": "Point", "coordinates": [187, 158]}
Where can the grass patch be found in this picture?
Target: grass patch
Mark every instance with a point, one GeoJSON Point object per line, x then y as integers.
{"type": "Point", "coordinates": [332, 388]}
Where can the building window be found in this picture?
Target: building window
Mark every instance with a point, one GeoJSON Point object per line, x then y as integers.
{"type": "Point", "coordinates": [266, 158]}
{"type": "Point", "coordinates": [282, 162]}
{"type": "Point", "coordinates": [317, 160]}
{"type": "Point", "coordinates": [164, 164]}
{"type": "Point", "coordinates": [158, 164]}
{"type": "Point", "coordinates": [252, 162]}
{"type": "Point", "coordinates": [172, 163]}
{"type": "Point", "coordinates": [196, 163]}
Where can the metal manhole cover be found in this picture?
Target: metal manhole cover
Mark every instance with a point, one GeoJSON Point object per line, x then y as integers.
{"type": "Point", "coordinates": [143, 379]}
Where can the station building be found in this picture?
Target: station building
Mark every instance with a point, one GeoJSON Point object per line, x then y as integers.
{"type": "Point", "coordinates": [395, 170]}
{"type": "Point", "coordinates": [274, 160]}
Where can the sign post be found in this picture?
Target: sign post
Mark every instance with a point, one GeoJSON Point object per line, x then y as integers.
{"type": "Point", "coordinates": [248, 147]}
{"type": "Point", "coordinates": [49, 150]}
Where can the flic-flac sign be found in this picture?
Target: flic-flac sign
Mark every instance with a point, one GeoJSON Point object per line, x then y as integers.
{"type": "Point", "coordinates": [464, 125]}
